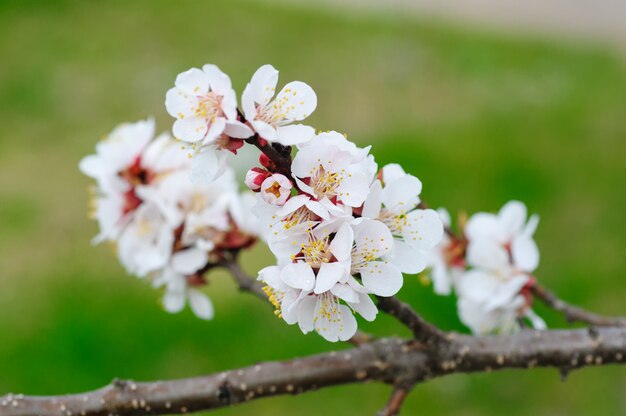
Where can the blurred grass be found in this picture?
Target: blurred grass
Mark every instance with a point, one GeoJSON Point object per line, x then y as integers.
{"type": "Point", "coordinates": [480, 119]}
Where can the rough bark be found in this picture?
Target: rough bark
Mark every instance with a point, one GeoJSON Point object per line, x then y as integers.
{"type": "Point", "coordinates": [394, 361]}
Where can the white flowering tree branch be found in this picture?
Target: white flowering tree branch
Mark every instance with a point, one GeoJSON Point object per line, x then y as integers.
{"type": "Point", "coordinates": [394, 361]}
{"type": "Point", "coordinates": [343, 231]}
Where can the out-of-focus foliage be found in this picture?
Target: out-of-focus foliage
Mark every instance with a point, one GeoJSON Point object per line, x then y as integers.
{"type": "Point", "coordinates": [478, 118]}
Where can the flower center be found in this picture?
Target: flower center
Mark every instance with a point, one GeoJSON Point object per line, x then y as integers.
{"type": "Point", "coordinates": [274, 189]}
{"type": "Point", "coordinates": [209, 106]}
{"type": "Point", "coordinates": [315, 252]}
{"type": "Point", "coordinates": [325, 183]}
{"type": "Point", "coordinates": [328, 312]}
{"type": "Point", "coordinates": [395, 221]}
{"type": "Point", "coordinates": [361, 256]}
{"type": "Point", "coordinates": [275, 297]}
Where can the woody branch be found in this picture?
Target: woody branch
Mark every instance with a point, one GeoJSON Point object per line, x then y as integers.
{"type": "Point", "coordinates": [388, 360]}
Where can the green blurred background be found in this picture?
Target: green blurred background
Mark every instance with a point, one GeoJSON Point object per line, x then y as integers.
{"type": "Point", "coordinates": [480, 118]}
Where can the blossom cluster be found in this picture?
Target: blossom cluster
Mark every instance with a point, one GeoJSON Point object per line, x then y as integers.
{"type": "Point", "coordinates": [163, 227]}
{"type": "Point", "coordinates": [490, 267]}
{"type": "Point", "coordinates": [339, 232]}
{"type": "Point", "coordinates": [343, 231]}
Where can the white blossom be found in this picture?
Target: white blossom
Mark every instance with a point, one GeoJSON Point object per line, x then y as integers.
{"type": "Point", "coordinates": [502, 255]}
{"type": "Point", "coordinates": [331, 168]}
{"type": "Point", "coordinates": [129, 157]}
{"type": "Point", "coordinates": [395, 203]}
{"type": "Point", "coordinates": [446, 260]}
{"type": "Point", "coordinates": [177, 289]}
{"type": "Point", "coordinates": [272, 119]}
{"type": "Point", "coordinates": [205, 106]}
{"type": "Point", "coordinates": [276, 189]}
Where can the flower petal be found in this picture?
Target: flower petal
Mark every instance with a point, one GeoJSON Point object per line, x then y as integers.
{"type": "Point", "coordinates": [423, 229]}
{"type": "Point", "coordinates": [298, 276]}
{"type": "Point", "coordinates": [402, 194]}
{"type": "Point", "coordinates": [218, 81]}
{"type": "Point", "coordinates": [373, 202]}
{"type": "Point", "coordinates": [263, 84]}
{"type": "Point", "coordinates": [296, 101]}
{"type": "Point", "coordinates": [365, 307]}
{"type": "Point", "coordinates": [193, 82]}
{"type": "Point", "coordinates": [190, 129]}
{"type": "Point", "coordinates": [327, 276]}
{"type": "Point", "coordinates": [200, 304]}
{"type": "Point", "coordinates": [341, 246]}
{"type": "Point", "coordinates": [383, 279]}
{"type": "Point", "coordinates": [294, 134]}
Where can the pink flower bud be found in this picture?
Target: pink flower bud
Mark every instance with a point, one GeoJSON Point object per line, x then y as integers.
{"type": "Point", "coordinates": [255, 177]}
{"type": "Point", "coordinates": [276, 189]}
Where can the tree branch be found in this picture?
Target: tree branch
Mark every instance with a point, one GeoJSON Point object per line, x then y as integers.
{"type": "Point", "coordinates": [574, 313]}
{"type": "Point", "coordinates": [395, 402]}
{"type": "Point", "coordinates": [245, 282]}
{"type": "Point", "coordinates": [388, 360]}
{"type": "Point", "coordinates": [423, 331]}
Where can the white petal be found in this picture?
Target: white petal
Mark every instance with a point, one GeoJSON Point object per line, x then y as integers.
{"type": "Point", "coordinates": [289, 307]}
{"type": "Point", "coordinates": [424, 228]}
{"type": "Point", "coordinates": [237, 130]}
{"type": "Point", "coordinates": [306, 314]}
{"type": "Point", "coordinates": [200, 304]}
{"type": "Point", "coordinates": [296, 101]}
{"type": "Point", "coordinates": [477, 285]}
{"type": "Point", "coordinates": [483, 225]}
{"type": "Point", "coordinates": [328, 275]}
{"type": "Point", "coordinates": [207, 166]}
{"type": "Point", "coordinates": [294, 134]}
{"type": "Point", "coordinates": [247, 103]}
{"type": "Point", "coordinates": [92, 166]}
{"type": "Point", "coordinates": [174, 301]}
{"type": "Point", "coordinates": [271, 276]}
{"type": "Point", "coordinates": [372, 204]}
{"type": "Point", "coordinates": [341, 246]}
{"type": "Point", "coordinates": [354, 189]}
{"type": "Point", "coordinates": [506, 292]}
{"type": "Point", "coordinates": [190, 129]}
{"type": "Point", "coordinates": [218, 81]}
{"type": "Point", "coordinates": [365, 307]}
{"type": "Point", "coordinates": [193, 82]}
{"type": "Point", "coordinates": [263, 84]}
{"type": "Point", "coordinates": [298, 276]}
{"type": "Point", "coordinates": [345, 292]}
{"type": "Point", "coordinates": [525, 253]}
{"type": "Point", "coordinates": [349, 325]}
{"type": "Point", "coordinates": [189, 261]}
{"type": "Point", "coordinates": [536, 321]}
{"type": "Point", "coordinates": [372, 237]}
{"type": "Point", "coordinates": [487, 254]}
{"type": "Point", "coordinates": [408, 259]}
{"type": "Point", "coordinates": [512, 217]}
{"type": "Point", "coordinates": [264, 130]}
{"type": "Point", "coordinates": [391, 172]}
{"type": "Point", "coordinates": [216, 128]}
{"type": "Point", "coordinates": [179, 104]}
{"type": "Point", "coordinates": [381, 278]}
{"type": "Point", "coordinates": [402, 194]}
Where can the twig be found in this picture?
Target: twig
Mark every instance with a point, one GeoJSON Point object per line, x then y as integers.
{"type": "Point", "coordinates": [245, 282]}
{"type": "Point", "coordinates": [574, 313]}
{"type": "Point", "coordinates": [278, 154]}
{"type": "Point", "coordinates": [395, 402]}
{"type": "Point", "coordinates": [388, 360]}
{"type": "Point", "coordinates": [423, 331]}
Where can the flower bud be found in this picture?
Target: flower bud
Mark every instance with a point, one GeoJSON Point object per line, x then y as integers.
{"type": "Point", "coordinates": [255, 177]}
{"type": "Point", "coordinates": [264, 160]}
{"type": "Point", "coordinates": [276, 189]}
